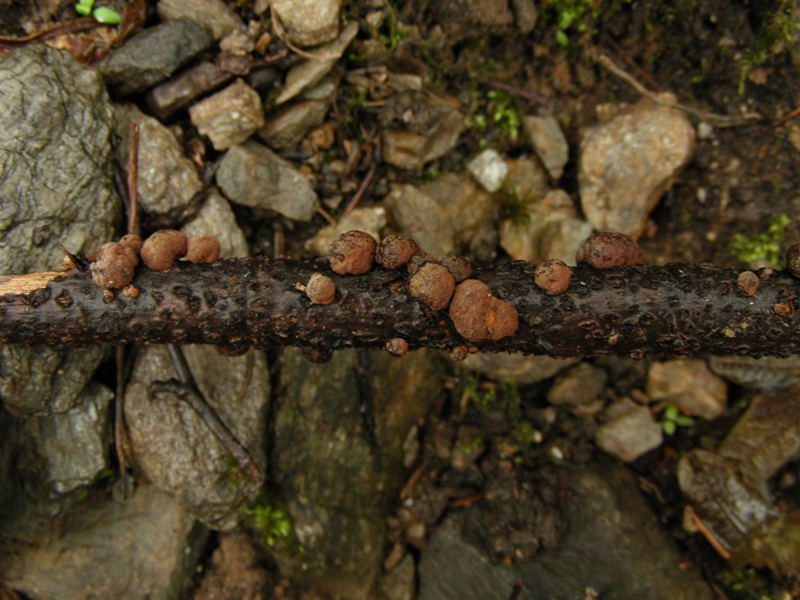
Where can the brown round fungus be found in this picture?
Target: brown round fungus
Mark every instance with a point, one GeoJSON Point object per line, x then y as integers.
{"type": "Point", "coordinates": [747, 283]}
{"type": "Point", "coordinates": [320, 289]}
{"type": "Point", "coordinates": [478, 316]}
{"type": "Point", "coordinates": [606, 250]}
{"type": "Point", "coordinates": [460, 268]}
{"type": "Point", "coordinates": [397, 347]}
{"type": "Point", "coordinates": [459, 353]}
{"type": "Point", "coordinates": [202, 249]}
{"type": "Point", "coordinates": [420, 258]}
{"type": "Point", "coordinates": [114, 266]}
{"type": "Point", "coordinates": [132, 241]}
{"type": "Point", "coordinates": [352, 253]}
{"type": "Point", "coordinates": [793, 260]}
{"type": "Point", "coordinates": [395, 251]}
{"type": "Point", "coordinates": [160, 251]}
{"type": "Point", "coordinates": [552, 276]}
{"type": "Point", "coordinates": [433, 286]}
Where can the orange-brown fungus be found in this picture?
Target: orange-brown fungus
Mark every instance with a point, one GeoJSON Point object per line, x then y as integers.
{"type": "Point", "coordinates": [552, 276]}
{"type": "Point", "coordinates": [606, 250]}
{"type": "Point", "coordinates": [433, 286]}
{"type": "Point", "coordinates": [478, 316]}
{"type": "Point", "coordinates": [202, 249]}
{"type": "Point", "coordinates": [160, 251]}
{"type": "Point", "coordinates": [395, 251]}
{"type": "Point", "coordinates": [420, 258]}
{"type": "Point", "coordinates": [132, 241]}
{"type": "Point", "coordinates": [114, 265]}
{"type": "Point", "coordinates": [747, 283]}
{"type": "Point", "coordinates": [352, 253]}
{"type": "Point", "coordinates": [320, 289]}
{"type": "Point", "coordinates": [460, 268]}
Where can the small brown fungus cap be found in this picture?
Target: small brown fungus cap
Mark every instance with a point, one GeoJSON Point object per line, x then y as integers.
{"type": "Point", "coordinates": [747, 283]}
{"type": "Point", "coordinates": [397, 347]}
{"type": "Point", "coordinates": [433, 286]}
{"type": "Point", "coordinates": [160, 251]}
{"type": "Point", "coordinates": [114, 266]}
{"type": "Point", "coordinates": [552, 276]}
{"type": "Point", "coordinates": [395, 251]}
{"type": "Point", "coordinates": [478, 316]}
{"type": "Point", "coordinates": [460, 268]}
{"type": "Point", "coordinates": [420, 258]}
{"type": "Point", "coordinates": [320, 289]}
{"type": "Point", "coordinates": [606, 250]}
{"type": "Point", "coordinates": [202, 249]}
{"type": "Point", "coordinates": [352, 253]}
{"type": "Point", "coordinates": [132, 241]}
{"type": "Point", "coordinates": [793, 260]}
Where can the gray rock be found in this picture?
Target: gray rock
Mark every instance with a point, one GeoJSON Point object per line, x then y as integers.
{"type": "Point", "coordinates": [310, 72]}
{"type": "Point", "coordinates": [179, 91]}
{"type": "Point", "coordinates": [236, 571]}
{"type": "Point", "coordinates": [308, 22]}
{"type": "Point", "coordinates": [44, 459]}
{"type": "Point", "coordinates": [144, 548]}
{"type": "Point", "coordinates": [173, 448]}
{"type": "Point", "coordinates": [613, 545]}
{"type": "Point", "coordinates": [253, 175]}
{"type": "Point", "coordinates": [445, 215]}
{"type": "Point", "coordinates": [561, 238]}
{"type": "Point", "coordinates": [400, 582]}
{"type": "Point", "coordinates": [55, 110]}
{"type": "Point", "coordinates": [630, 431]}
{"type": "Point", "coordinates": [430, 129]}
{"type": "Point", "coordinates": [370, 220]}
{"type": "Point", "coordinates": [216, 219]}
{"type": "Point", "coordinates": [333, 481]}
{"type": "Point", "coordinates": [579, 385]}
{"type": "Point", "coordinates": [230, 116]}
{"type": "Point", "coordinates": [688, 384]}
{"type": "Point", "coordinates": [627, 163]}
{"type": "Point", "coordinates": [524, 15]}
{"type": "Point", "coordinates": [489, 169]}
{"type": "Point", "coordinates": [548, 142]}
{"type": "Point", "coordinates": [153, 56]}
{"type": "Point", "coordinates": [167, 181]}
{"type": "Point", "coordinates": [212, 15]}
{"type": "Point", "coordinates": [286, 129]}
{"type": "Point", "coordinates": [525, 369]}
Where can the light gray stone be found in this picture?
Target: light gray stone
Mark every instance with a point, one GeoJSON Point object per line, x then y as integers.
{"type": "Point", "coordinates": [287, 128]}
{"type": "Point", "coordinates": [548, 142]}
{"type": "Point", "coordinates": [230, 116]}
{"type": "Point", "coordinates": [308, 22]}
{"type": "Point", "coordinates": [627, 163]}
{"type": "Point", "coordinates": [212, 15]}
{"type": "Point", "coordinates": [579, 385]}
{"type": "Point", "coordinates": [370, 220]}
{"type": "Point", "coordinates": [489, 169]}
{"type": "Point", "coordinates": [252, 175]}
{"type": "Point", "coordinates": [630, 431]}
{"type": "Point", "coordinates": [688, 384]}
{"type": "Point", "coordinates": [215, 218]}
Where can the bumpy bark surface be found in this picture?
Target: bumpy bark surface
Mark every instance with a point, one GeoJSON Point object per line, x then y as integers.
{"type": "Point", "coordinates": [673, 310]}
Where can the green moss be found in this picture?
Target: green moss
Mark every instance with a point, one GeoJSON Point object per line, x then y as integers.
{"type": "Point", "coordinates": [504, 115]}
{"type": "Point", "coordinates": [778, 29]}
{"type": "Point", "coordinates": [762, 247]}
{"type": "Point", "coordinates": [270, 523]}
{"type": "Point", "coordinates": [513, 207]}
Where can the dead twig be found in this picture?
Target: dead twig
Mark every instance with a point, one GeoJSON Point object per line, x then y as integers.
{"type": "Point", "coordinates": [710, 118]}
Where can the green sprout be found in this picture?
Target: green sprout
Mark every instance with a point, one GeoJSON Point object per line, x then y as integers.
{"type": "Point", "coordinates": [513, 207]}
{"type": "Point", "coordinates": [572, 14]}
{"type": "Point", "coordinates": [270, 522]}
{"type": "Point", "coordinates": [762, 247]}
{"type": "Point", "coordinates": [102, 14]}
{"type": "Point", "coordinates": [504, 115]}
{"type": "Point", "coordinates": [672, 419]}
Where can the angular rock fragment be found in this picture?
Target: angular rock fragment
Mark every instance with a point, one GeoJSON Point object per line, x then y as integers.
{"type": "Point", "coordinates": [627, 163]}
{"type": "Point", "coordinates": [688, 384]}
{"type": "Point", "coordinates": [212, 15]}
{"type": "Point", "coordinates": [630, 431]}
{"type": "Point", "coordinates": [548, 142]}
{"type": "Point", "coordinates": [230, 116]}
{"type": "Point", "coordinates": [309, 22]}
{"type": "Point", "coordinates": [172, 95]}
{"type": "Point", "coordinates": [153, 56]}
{"type": "Point", "coordinates": [253, 175]}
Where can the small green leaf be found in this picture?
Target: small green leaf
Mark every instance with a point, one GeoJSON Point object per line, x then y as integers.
{"type": "Point", "coordinates": [668, 427]}
{"type": "Point", "coordinates": [684, 421]}
{"type": "Point", "coordinates": [562, 38]}
{"type": "Point", "coordinates": [103, 14]}
{"type": "Point", "coordinates": [84, 7]}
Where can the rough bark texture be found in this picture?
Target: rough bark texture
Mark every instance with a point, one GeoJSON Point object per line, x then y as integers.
{"type": "Point", "coordinates": [673, 310]}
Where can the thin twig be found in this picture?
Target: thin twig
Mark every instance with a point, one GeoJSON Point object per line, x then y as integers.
{"type": "Point", "coordinates": [361, 190]}
{"type": "Point", "coordinates": [712, 539]}
{"type": "Point", "coordinates": [785, 118]}
{"type": "Point", "coordinates": [248, 376]}
{"type": "Point", "coordinates": [133, 177]}
{"type": "Point", "coordinates": [711, 118]}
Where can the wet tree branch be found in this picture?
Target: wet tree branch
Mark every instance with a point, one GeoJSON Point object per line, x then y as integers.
{"type": "Point", "coordinates": [686, 310]}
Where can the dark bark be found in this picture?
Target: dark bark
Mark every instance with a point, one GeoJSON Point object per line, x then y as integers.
{"type": "Point", "coordinates": [686, 310]}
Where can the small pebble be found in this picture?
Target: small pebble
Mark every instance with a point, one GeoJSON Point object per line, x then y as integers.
{"type": "Point", "coordinates": [552, 276]}
{"type": "Point", "coordinates": [397, 347]}
{"type": "Point", "coordinates": [607, 250]}
{"type": "Point", "coordinates": [352, 253]}
{"type": "Point", "coordinates": [320, 289]}
{"type": "Point", "coordinates": [747, 283]}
